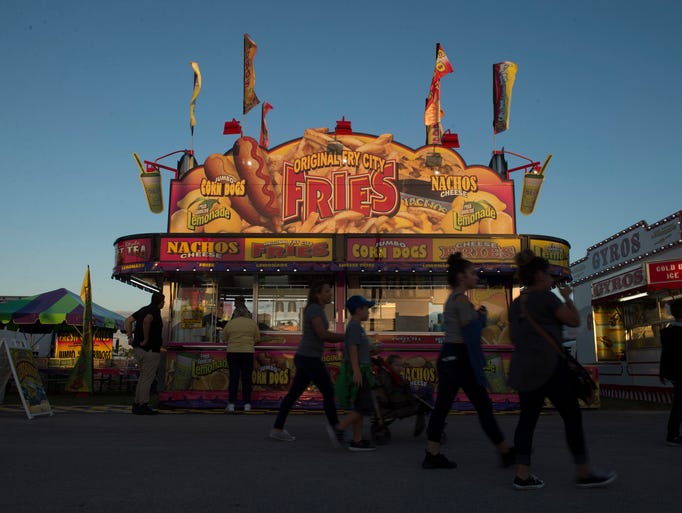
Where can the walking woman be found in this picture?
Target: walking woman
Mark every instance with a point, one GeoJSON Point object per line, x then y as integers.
{"type": "Point", "coordinates": [460, 365]}
{"type": "Point", "coordinates": [309, 365]}
{"type": "Point", "coordinates": [537, 371]}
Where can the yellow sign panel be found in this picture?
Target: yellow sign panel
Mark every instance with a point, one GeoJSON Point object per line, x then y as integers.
{"type": "Point", "coordinates": [288, 249]}
{"type": "Point", "coordinates": [555, 252]}
{"type": "Point", "coordinates": [490, 249]}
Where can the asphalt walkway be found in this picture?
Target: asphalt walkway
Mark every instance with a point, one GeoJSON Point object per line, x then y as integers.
{"type": "Point", "coordinates": [103, 459]}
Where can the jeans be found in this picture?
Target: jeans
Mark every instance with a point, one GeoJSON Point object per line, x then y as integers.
{"type": "Point", "coordinates": [560, 391]}
{"type": "Point", "coordinates": [240, 366]}
{"type": "Point", "coordinates": [308, 368]}
{"type": "Point", "coordinates": [675, 418]}
{"type": "Point", "coordinates": [453, 375]}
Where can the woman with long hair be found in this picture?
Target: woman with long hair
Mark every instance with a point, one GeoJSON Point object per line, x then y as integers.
{"type": "Point", "coordinates": [309, 365]}
{"type": "Point", "coordinates": [460, 365]}
{"type": "Point", "coordinates": [537, 370]}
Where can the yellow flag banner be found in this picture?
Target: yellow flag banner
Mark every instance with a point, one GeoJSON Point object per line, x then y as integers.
{"type": "Point", "coordinates": [504, 75]}
{"type": "Point", "coordinates": [195, 95]}
{"type": "Point", "coordinates": [432, 113]}
{"type": "Point", "coordinates": [80, 379]}
{"type": "Point", "coordinates": [250, 98]}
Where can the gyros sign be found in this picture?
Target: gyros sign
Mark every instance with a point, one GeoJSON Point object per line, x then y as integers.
{"type": "Point", "coordinates": [617, 284]}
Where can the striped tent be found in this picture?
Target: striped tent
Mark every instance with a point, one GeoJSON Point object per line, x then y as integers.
{"type": "Point", "coordinates": [52, 308]}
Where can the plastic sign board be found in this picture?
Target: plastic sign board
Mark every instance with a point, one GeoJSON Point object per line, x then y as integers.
{"type": "Point", "coordinates": [19, 358]}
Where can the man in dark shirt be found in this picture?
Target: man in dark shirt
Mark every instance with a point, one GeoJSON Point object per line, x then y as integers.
{"type": "Point", "coordinates": [671, 369]}
{"type": "Point", "coordinates": [146, 339]}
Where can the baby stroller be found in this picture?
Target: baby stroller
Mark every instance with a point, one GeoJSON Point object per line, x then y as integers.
{"type": "Point", "coordinates": [394, 399]}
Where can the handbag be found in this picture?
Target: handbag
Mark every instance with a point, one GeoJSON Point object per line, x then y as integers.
{"type": "Point", "coordinates": [583, 384]}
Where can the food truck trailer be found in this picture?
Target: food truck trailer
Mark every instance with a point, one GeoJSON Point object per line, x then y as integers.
{"type": "Point", "coordinates": [368, 214]}
{"type": "Point", "coordinates": [623, 287]}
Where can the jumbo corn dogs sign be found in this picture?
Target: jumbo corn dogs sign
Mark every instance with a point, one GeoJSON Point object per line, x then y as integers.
{"type": "Point", "coordinates": [366, 184]}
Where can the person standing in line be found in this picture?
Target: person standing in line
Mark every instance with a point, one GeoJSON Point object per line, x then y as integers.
{"type": "Point", "coordinates": [240, 335]}
{"type": "Point", "coordinates": [671, 370]}
{"type": "Point", "coordinates": [460, 365]}
{"type": "Point", "coordinates": [354, 384]}
{"type": "Point", "coordinates": [146, 340]}
{"type": "Point", "coordinates": [309, 365]}
{"type": "Point", "coordinates": [537, 371]}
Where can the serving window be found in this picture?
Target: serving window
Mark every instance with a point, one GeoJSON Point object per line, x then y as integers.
{"type": "Point", "coordinates": [202, 305]}
{"type": "Point", "coordinates": [282, 299]}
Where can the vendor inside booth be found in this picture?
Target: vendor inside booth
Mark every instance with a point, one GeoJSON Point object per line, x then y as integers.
{"type": "Point", "coordinates": [368, 214]}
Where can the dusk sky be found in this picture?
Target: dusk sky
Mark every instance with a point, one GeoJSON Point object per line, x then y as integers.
{"type": "Point", "coordinates": [86, 84]}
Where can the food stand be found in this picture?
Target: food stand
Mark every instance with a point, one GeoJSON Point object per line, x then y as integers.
{"type": "Point", "coordinates": [623, 287]}
{"type": "Point", "coordinates": [372, 216]}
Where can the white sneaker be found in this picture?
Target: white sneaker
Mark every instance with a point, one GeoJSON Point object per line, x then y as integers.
{"type": "Point", "coordinates": [247, 407]}
{"type": "Point", "coordinates": [230, 407]}
{"type": "Point", "coordinates": [282, 435]}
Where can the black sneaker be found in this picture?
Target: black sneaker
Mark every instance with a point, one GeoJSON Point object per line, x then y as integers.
{"type": "Point", "coordinates": [362, 445]}
{"type": "Point", "coordinates": [532, 483]}
{"type": "Point", "coordinates": [508, 458]}
{"type": "Point", "coordinates": [674, 442]}
{"type": "Point", "coordinates": [596, 480]}
{"type": "Point", "coordinates": [144, 409]}
{"type": "Point", "coordinates": [437, 461]}
{"type": "Point", "coordinates": [136, 408]}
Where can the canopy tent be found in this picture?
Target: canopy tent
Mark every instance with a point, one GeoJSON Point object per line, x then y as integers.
{"type": "Point", "coordinates": [56, 307]}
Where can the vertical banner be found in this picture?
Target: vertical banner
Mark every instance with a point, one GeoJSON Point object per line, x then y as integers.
{"type": "Point", "coordinates": [195, 95]}
{"type": "Point", "coordinates": [19, 358]}
{"type": "Point", "coordinates": [250, 98]}
{"type": "Point", "coordinates": [504, 75]}
{"type": "Point", "coordinates": [80, 379]}
{"type": "Point", "coordinates": [264, 136]}
{"type": "Point", "coordinates": [433, 112]}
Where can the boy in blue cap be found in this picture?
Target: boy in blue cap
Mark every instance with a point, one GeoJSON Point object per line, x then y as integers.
{"type": "Point", "coordinates": [354, 384]}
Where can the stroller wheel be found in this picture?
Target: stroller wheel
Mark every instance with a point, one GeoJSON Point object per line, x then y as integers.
{"type": "Point", "coordinates": [381, 435]}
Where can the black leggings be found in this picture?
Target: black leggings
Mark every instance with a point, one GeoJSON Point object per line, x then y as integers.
{"type": "Point", "coordinates": [560, 391]}
{"type": "Point", "coordinates": [453, 375]}
{"type": "Point", "coordinates": [309, 368]}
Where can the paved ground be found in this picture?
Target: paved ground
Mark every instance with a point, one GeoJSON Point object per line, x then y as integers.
{"type": "Point", "coordinates": [103, 459]}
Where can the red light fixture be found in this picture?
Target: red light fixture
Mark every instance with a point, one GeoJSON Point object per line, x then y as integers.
{"type": "Point", "coordinates": [449, 140]}
{"type": "Point", "coordinates": [232, 127]}
{"type": "Point", "coordinates": [343, 127]}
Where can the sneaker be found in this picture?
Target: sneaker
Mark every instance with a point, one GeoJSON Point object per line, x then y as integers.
{"type": "Point", "coordinates": [532, 483]}
{"type": "Point", "coordinates": [229, 408]}
{"type": "Point", "coordinates": [596, 480]}
{"type": "Point", "coordinates": [508, 458]}
{"type": "Point", "coordinates": [136, 408]}
{"type": "Point", "coordinates": [144, 409]}
{"type": "Point", "coordinates": [437, 461]}
{"type": "Point", "coordinates": [282, 435]}
{"type": "Point", "coordinates": [247, 407]}
{"type": "Point", "coordinates": [674, 442]}
{"type": "Point", "coordinates": [362, 445]}
{"type": "Point", "coordinates": [336, 436]}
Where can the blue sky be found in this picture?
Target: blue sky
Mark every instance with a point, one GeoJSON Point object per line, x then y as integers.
{"type": "Point", "coordinates": [85, 84]}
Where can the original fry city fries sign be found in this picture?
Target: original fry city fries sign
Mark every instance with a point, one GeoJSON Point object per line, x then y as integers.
{"type": "Point", "coordinates": [326, 183]}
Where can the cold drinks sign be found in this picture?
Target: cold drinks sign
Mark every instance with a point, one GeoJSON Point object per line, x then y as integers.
{"type": "Point", "coordinates": [665, 275]}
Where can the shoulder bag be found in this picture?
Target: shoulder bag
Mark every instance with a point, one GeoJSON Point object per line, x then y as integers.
{"type": "Point", "coordinates": [583, 384]}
